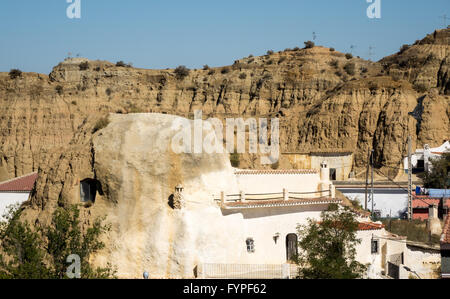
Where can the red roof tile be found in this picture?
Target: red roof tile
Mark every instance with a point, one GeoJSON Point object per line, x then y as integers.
{"type": "Point", "coordinates": [424, 202]}
{"type": "Point", "coordinates": [446, 232]}
{"type": "Point", "coordinates": [21, 184]}
{"type": "Point", "coordinates": [369, 226]}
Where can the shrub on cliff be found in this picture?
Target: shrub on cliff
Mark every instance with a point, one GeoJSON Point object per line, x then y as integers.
{"type": "Point", "coordinates": [15, 73]}
{"type": "Point", "coordinates": [101, 124]}
{"type": "Point", "coordinates": [181, 72]}
{"type": "Point", "coordinates": [348, 56]}
{"type": "Point", "coordinates": [350, 68]}
{"type": "Point", "coordinates": [309, 44]}
{"type": "Point", "coordinates": [84, 66]}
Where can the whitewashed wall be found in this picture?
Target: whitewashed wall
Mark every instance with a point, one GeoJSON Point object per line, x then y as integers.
{"type": "Point", "coordinates": [8, 199]}
{"type": "Point", "coordinates": [386, 200]}
{"type": "Point", "coordinates": [272, 183]}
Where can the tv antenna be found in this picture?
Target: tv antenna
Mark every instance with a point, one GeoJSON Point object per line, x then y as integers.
{"type": "Point", "coordinates": [352, 47]}
{"type": "Point", "coordinates": [371, 48]}
{"type": "Point", "coordinates": [314, 36]}
{"type": "Point", "coordinates": [445, 20]}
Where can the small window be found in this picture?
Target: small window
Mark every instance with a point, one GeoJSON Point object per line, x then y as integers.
{"type": "Point", "coordinates": [88, 190]}
{"type": "Point", "coordinates": [333, 174]}
{"type": "Point", "coordinates": [374, 246]}
{"type": "Point", "coordinates": [250, 245]}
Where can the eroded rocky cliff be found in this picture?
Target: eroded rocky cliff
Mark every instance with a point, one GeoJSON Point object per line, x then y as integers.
{"type": "Point", "coordinates": [324, 100]}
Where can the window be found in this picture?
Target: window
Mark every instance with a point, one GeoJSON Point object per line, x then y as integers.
{"type": "Point", "coordinates": [250, 245]}
{"type": "Point", "coordinates": [374, 246]}
{"type": "Point", "coordinates": [88, 190]}
{"type": "Point", "coordinates": [332, 174]}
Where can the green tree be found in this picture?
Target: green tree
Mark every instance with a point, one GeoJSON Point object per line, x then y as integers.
{"type": "Point", "coordinates": [329, 247]}
{"type": "Point", "coordinates": [438, 177]}
{"type": "Point", "coordinates": [42, 253]}
{"type": "Point", "coordinates": [21, 253]}
{"type": "Point", "coordinates": [65, 238]}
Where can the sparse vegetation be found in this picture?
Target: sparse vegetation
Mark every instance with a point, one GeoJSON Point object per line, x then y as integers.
{"type": "Point", "coordinates": [282, 59]}
{"type": "Point", "coordinates": [332, 50]}
{"type": "Point", "coordinates": [309, 44]}
{"type": "Point", "coordinates": [415, 230]}
{"type": "Point", "coordinates": [59, 89]}
{"type": "Point", "coordinates": [348, 56]}
{"type": "Point", "coordinates": [350, 68]}
{"type": "Point", "coordinates": [225, 70]}
{"type": "Point", "coordinates": [108, 91]}
{"type": "Point", "coordinates": [181, 72]}
{"type": "Point", "coordinates": [84, 66]}
{"type": "Point", "coordinates": [15, 73]}
{"type": "Point", "coordinates": [334, 63]}
{"type": "Point", "coordinates": [211, 72]}
{"type": "Point", "coordinates": [270, 52]}
{"type": "Point", "coordinates": [243, 76]}
{"type": "Point", "coordinates": [206, 67]}
{"type": "Point", "coordinates": [123, 64]}
{"type": "Point", "coordinates": [101, 124]}
{"type": "Point", "coordinates": [420, 87]}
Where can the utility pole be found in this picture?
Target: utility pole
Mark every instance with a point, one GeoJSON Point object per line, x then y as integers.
{"type": "Point", "coordinates": [371, 197]}
{"type": "Point", "coordinates": [409, 179]}
{"type": "Point", "coordinates": [367, 178]}
{"type": "Point", "coordinates": [445, 20]}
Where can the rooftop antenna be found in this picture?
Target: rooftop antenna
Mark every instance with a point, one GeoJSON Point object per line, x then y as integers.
{"type": "Point", "coordinates": [445, 20]}
{"type": "Point", "coordinates": [352, 47]}
{"type": "Point", "coordinates": [371, 48]}
{"type": "Point", "coordinates": [314, 36]}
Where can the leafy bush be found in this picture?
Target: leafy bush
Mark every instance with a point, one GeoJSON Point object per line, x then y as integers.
{"type": "Point", "coordinates": [84, 66]}
{"type": "Point", "coordinates": [211, 72]}
{"type": "Point", "coordinates": [270, 52]}
{"type": "Point", "coordinates": [334, 63]}
{"type": "Point", "coordinates": [108, 91]}
{"type": "Point", "coordinates": [59, 89]}
{"type": "Point", "coordinates": [15, 73]}
{"type": "Point", "coordinates": [225, 70]}
{"type": "Point", "coordinates": [243, 76]}
{"type": "Point", "coordinates": [121, 64]}
{"type": "Point", "coordinates": [297, 49]}
{"type": "Point", "coordinates": [206, 67]}
{"type": "Point", "coordinates": [350, 68]}
{"type": "Point", "coordinates": [348, 56]}
{"type": "Point", "coordinates": [309, 44]}
{"type": "Point", "coordinates": [332, 50]}
{"type": "Point", "coordinates": [181, 72]}
{"type": "Point", "coordinates": [100, 124]}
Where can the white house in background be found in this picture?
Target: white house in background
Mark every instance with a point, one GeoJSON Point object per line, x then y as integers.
{"type": "Point", "coordinates": [421, 159]}
{"type": "Point", "coordinates": [270, 205]}
{"type": "Point", "coordinates": [16, 191]}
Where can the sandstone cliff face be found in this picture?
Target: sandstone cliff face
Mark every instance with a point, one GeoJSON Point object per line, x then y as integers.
{"type": "Point", "coordinates": [323, 100]}
{"type": "Point", "coordinates": [133, 160]}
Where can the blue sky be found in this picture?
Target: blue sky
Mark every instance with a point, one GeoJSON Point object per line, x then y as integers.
{"type": "Point", "coordinates": [36, 35]}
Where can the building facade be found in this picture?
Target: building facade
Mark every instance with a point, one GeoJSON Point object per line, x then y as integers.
{"type": "Point", "coordinates": [15, 191]}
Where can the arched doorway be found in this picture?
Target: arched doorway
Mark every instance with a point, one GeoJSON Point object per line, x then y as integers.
{"type": "Point", "coordinates": [291, 247]}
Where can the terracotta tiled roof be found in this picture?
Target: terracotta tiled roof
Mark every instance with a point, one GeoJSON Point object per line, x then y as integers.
{"type": "Point", "coordinates": [21, 184]}
{"type": "Point", "coordinates": [424, 202]}
{"type": "Point", "coordinates": [446, 232]}
{"type": "Point", "coordinates": [280, 203]}
{"type": "Point", "coordinates": [369, 226]}
{"type": "Point", "coordinates": [292, 171]}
